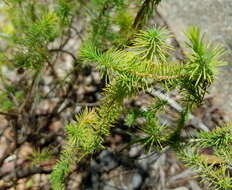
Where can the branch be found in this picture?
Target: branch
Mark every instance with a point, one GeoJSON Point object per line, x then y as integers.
{"type": "Point", "coordinates": [14, 115]}
{"type": "Point", "coordinates": [64, 51]}
{"type": "Point", "coordinates": [144, 12]}
{"type": "Point", "coordinates": [157, 77]}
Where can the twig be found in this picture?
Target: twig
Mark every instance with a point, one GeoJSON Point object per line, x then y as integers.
{"type": "Point", "coordinates": [63, 44]}
{"type": "Point", "coordinates": [77, 32]}
{"type": "Point", "coordinates": [14, 125]}
{"type": "Point", "coordinates": [9, 114]}
{"type": "Point", "coordinates": [192, 119]}
{"type": "Point", "coordinates": [52, 69]}
{"type": "Point", "coordinates": [64, 51]}
{"type": "Point", "coordinates": [144, 12]}
{"type": "Point", "coordinates": [30, 91]}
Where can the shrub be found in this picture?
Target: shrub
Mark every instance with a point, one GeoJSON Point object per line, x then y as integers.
{"type": "Point", "coordinates": [131, 59]}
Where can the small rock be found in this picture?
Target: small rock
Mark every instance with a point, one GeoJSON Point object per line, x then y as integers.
{"type": "Point", "coordinates": [181, 188]}
{"type": "Point", "coordinates": [107, 160]}
{"type": "Point", "coordinates": [134, 151]}
{"type": "Point", "coordinates": [56, 126]}
{"type": "Point", "coordinates": [94, 165]}
{"type": "Point", "coordinates": [25, 151]}
{"type": "Point", "coordinates": [88, 80]}
{"type": "Point", "coordinates": [96, 77]}
{"type": "Point", "coordinates": [136, 181]}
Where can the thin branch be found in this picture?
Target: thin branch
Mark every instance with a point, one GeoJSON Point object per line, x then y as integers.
{"type": "Point", "coordinates": [159, 77]}
{"type": "Point", "coordinates": [14, 124]}
{"type": "Point", "coordinates": [77, 33]}
{"type": "Point", "coordinates": [52, 69]}
{"type": "Point", "coordinates": [30, 91]}
{"type": "Point", "coordinates": [9, 114]}
{"type": "Point", "coordinates": [144, 12]}
{"type": "Point", "coordinates": [64, 51]}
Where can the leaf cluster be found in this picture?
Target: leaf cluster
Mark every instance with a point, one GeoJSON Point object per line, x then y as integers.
{"type": "Point", "coordinates": [136, 69]}
{"type": "Point", "coordinates": [204, 60]}
{"type": "Point", "coordinates": [213, 168]}
{"type": "Point", "coordinates": [35, 30]}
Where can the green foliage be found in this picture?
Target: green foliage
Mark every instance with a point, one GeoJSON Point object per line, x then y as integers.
{"type": "Point", "coordinates": [30, 60]}
{"type": "Point", "coordinates": [6, 103]}
{"type": "Point", "coordinates": [125, 82]}
{"type": "Point", "coordinates": [33, 33]}
{"type": "Point", "coordinates": [82, 136]}
{"type": "Point", "coordinates": [218, 138]}
{"type": "Point", "coordinates": [155, 134]}
{"type": "Point", "coordinates": [43, 31]}
{"type": "Point", "coordinates": [132, 70]}
{"type": "Point", "coordinates": [98, 10]}
{"type": "Point", "coordinates": [151, 134]}
{"type": "Point", "coordinates": [62, 168]}
{"type": "Point", "coordinates": [15, 1]}
{"type": "Point", "coordinates": [145, 13]}
{"type": "Point", "coordinates": [64, 11]}
{"type": "Point", "coordinates": [205, 165]}
{"type": "Point", "coordinates": [102, 2]}
{"type": "Point", "coordinates": [131, 117]}
{"type": "Point", "coordinates": [152, 44]}
{"type": "Point", "coordinates": [39, 33]}
{"type": "Point", "coordinates": [83, 132]}
{"type": "Point", "coordinates": [124, 20]}
{"type": "Point", "coordinates": [216, 176]}
{"type": "Point", "coordinates": [133, 59]}
{"type": "Point", "coordinates": [204, 59]}
{"type": "Point", "coordinates": [137, 60]}
{"type": "Point", "coordinates": [39, 156]}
